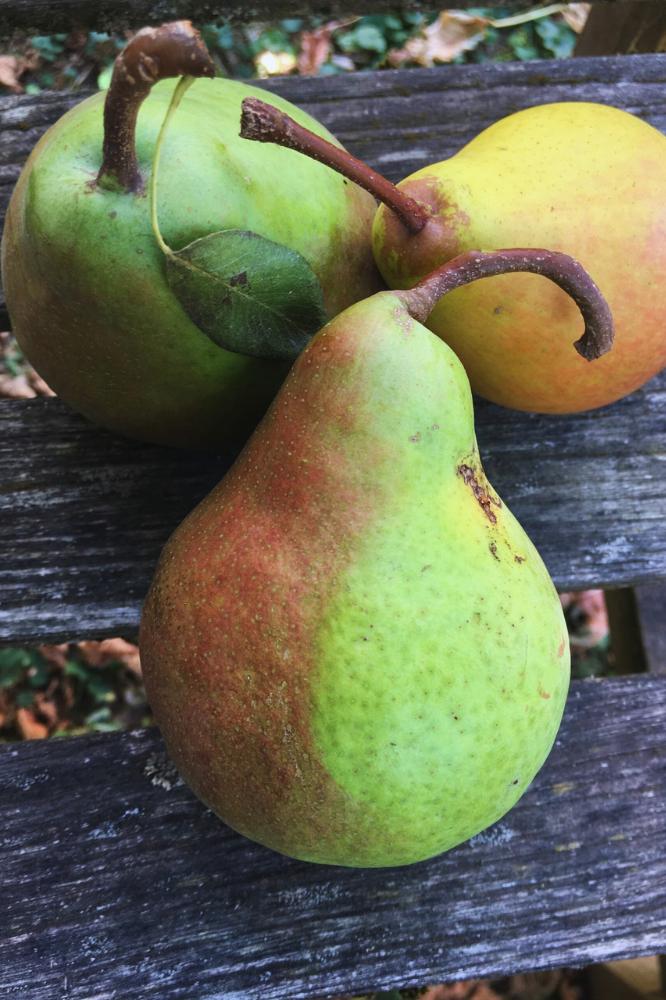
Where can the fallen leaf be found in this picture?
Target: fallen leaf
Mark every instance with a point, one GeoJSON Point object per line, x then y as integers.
{"type": "Point", "coordinates": [590, 605]}
{"type": "Point", "coordinates": [16, 387]}
{"type": "Point", "coordinates": [484, 992]}
{"type": "Point", "coordinates": [576, 15]}
{"type": "Point", "coordinates": [115, 650]}
{"type": "Point", "coordinates": [568, 989]}
{"type": "Point", "coordinates": [46, 710]}
{"type": "Point", "coordinates": [55, 654]}
{"type": "Point", "coordinates": [452, 33]}
{"type": "Point", "coordinates": [532, 985]}
{"type": "Point", "coordinates": [11, 68]}
{"type": "Point", "coordinates": [119, 650]}
{"type": "Point", "coordinates": [463, 990]}
{"type": "Point", "coordinates": [91, 652]}
{"type": "Point", "coordinates": [4, 708]}
{"type": "Point", "coordinates": [38, 384]}
{"type": "Point", "coordinates": [315, 48]}
{"type": "Point", "coordinates": [29, 727]}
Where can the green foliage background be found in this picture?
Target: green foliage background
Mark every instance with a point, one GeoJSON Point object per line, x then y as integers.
{"type": "Point", "coordinates": [74, 61]}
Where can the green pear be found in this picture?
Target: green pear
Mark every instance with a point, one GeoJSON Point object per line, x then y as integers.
{"type": "Point", "coordinates": [85, 280]}
{"type": "Point", "coordinates": [582, 178]}
{"type": "Point", "coordinates": [354, 652]}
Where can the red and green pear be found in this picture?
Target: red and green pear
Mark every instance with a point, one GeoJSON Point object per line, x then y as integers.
{"type": "Point", "coordinates": [582, 178]}
{"type": "Point", "coordinates": [85, 280]}
{"type": "Point", "coordinates": [354, 651]}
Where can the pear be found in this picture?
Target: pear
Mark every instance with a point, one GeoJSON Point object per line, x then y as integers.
{"type": "Point", "coordinates": [85, 280]}
{"type": "Point", "coordinates": [354, 652]}
{"type": "Point", "coordinates": [582, 178]}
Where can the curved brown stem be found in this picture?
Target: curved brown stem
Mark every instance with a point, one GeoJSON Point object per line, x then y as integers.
{"type": "Point", "coordinates": [566, 272]}
{"type": "Point", "coordinates": [174, 49]}
{"type": "Point", "coordinates": [264, 123]}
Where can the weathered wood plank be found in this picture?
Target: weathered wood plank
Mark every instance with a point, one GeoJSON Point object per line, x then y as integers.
{"type": "Point", "coordinates": [627, 27]}
{"type": "Point", "coordinates": [84, 514]}
{"type": "Point", "coordinates": [651, 608]}
{"type": "Point", "coordinates": [116, 882]}
{"type": "Point", "coordinates": [62, 15]}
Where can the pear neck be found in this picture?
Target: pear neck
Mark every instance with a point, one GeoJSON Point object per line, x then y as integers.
{"type": "Point", "coordinates": [173, 49]}
{"type": "Point", "coordinates": [560, 268]}
{"type": "Point", "coordinates": [263, 123]}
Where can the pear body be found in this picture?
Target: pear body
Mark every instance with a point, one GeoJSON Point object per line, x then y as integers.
{"type": "Point", "coordinates": [85, 281]}
{"type": "Point", "coordinates": [585, 179]}
{"type": "Point", "coordinates": [353, 650]}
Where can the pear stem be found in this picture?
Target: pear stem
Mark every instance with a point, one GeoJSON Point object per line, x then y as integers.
{"type": "Point", "coordinates": [566, 272]}
{"type": "Point", "coordinates": [264, 123]}
{"type": "Point", "coordinates": [174, 49]}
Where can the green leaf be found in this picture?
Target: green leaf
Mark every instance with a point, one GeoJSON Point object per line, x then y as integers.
{"type": "Point", "coordinates": [521, 42]}
{"type": "Point", "coordinates": [100, 715]}
{"type": "Point", "coordinates": [365, 36]}
{"type": "Point", "coordinates": [292, 24]}
{"type": "Point", "coordinates": [49, 47]}
{"type": "Point", "coordinates": [248, 294]}
{"type": "Point", "coordinates": [556, 37]}
{"type": "Point", "coordinates": [13, 664]}
{"type": "Point", "coordinates": [75, 669]}
{"type": "Point", "coordinates": [38, 674]}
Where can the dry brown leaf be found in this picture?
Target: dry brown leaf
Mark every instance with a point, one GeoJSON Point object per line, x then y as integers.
{"type": "Point", "coordinates": [16, 387]}
{"type": "Point", "coordinates": [463, 990]}
{"type": "Point", "coordinates": [453, 32]}
{"type": "Point", "coordinates": [91, 652]}
{"type": "Point", "coordinates": [5, 708]}
{"type": "Point", "coordinates": [29, 727]}
{"type": "Point", "coordinates": [576, 15]}
{"type": "Point", "coordinates": [46, 710]}
{"type": "Point", "coordinates": [569, 990]}
{"type": "Point", "coordinates": [592, 604]}
{"type": "Point", "coordinates": [99, 654]}
{"type": "Point", "coordinates": [67, 693]}
{"type": "Point", "coordinates": [11, 68]}
{"type": "Point", "coordinates": [533, 985]}
{"type": "Point", "coordinates": [38, 384]}
{"type": "Point", "coordinates": [120, 650]}
{"type": "Point", "coordinates": [484, 992]}
{"type": "Point", "coordinates": [57, 655]}
{"type": "Point", "coordinates": [315, 48]}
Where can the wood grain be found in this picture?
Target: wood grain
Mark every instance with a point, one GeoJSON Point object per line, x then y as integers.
{"type": "Point", "coordinates": [118, 883]}
{"type": "Point", "coordinates": [62, 15]}
{"type": "Point", "coordinates": [626, 27]}
{"type": "Point", "coordinates": [651, 609]}
{"type": "Point", "coordinates": [84, 513]}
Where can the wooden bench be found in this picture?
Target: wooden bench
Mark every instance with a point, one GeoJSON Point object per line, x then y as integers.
{"type": "Point", "coordinates": [115, 881]}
